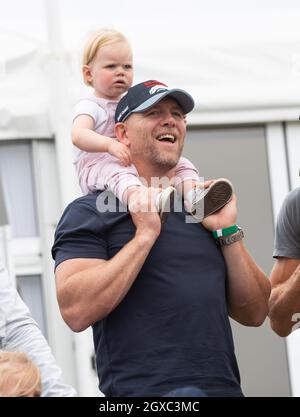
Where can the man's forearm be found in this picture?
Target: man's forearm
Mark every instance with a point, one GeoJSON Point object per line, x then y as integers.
{"type": "Point", "coordinates": [284, 304]}
{"type": "Point", "coordinates": [94, 291]}
{"type": "Point", "coordinates": [248, 288]}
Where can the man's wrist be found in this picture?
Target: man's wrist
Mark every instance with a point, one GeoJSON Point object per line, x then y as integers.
{"type": "Point", "coordinates": [230, 238]}
{"type": "Point", "coordinates": [226, 231]}
{"type": "Point", "coordinates": [146, 237]}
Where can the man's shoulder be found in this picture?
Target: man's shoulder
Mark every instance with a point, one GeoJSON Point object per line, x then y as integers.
{"type": "Point", "coordinates": [291, 204]}
{"type": "Point", "coordinates": [99, 208]}
{"type": "Point", "coordinates": [80, 205]}
{"type": "Point", "coordinates": [83, 201]}
{"type": "Point", "coordinates": [287, 243]}
{"type": "Point", "coordinates": [87, 227]}
{"type": "Point", "coordinates": [293, 197]}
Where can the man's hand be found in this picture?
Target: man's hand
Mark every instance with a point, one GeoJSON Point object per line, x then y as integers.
{"type": "Point", "coordinates": [144, 213]}
{"type": "Point", "coordinates": [120, 151]}
{"type": "Point", "coordinates": [225, 217]}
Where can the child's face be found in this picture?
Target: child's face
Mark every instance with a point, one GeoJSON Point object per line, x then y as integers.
{"type": "Point", "coordinates": [111, 71]}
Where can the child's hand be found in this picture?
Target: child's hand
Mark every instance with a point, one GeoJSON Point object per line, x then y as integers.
{"type": "Point", "coordinates": [120, 151]}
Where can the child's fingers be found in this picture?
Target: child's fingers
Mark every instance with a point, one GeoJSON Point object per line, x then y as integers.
{"type": "Point", "coordinates": [123, 158]}
{"type": "Point", "coordinates": [126, 157]}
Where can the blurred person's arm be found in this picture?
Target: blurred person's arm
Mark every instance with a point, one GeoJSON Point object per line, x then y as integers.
{"type": "Point", "coordinates": [284, 303]}
{"type": "Point", "coordinates": [19, 332]}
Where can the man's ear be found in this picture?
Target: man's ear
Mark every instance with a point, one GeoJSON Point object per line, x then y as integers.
{"type": "Point", "coordinates": [87, 75]}
{"type": "Point", "coordinates": [121, 133]}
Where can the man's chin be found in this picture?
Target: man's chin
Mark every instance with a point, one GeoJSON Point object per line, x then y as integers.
{"type": "Point", "coordinates": [167, 163]}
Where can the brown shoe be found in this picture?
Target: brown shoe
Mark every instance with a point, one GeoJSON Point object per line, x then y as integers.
{"type": "Point", "coordinates": [211, 199]}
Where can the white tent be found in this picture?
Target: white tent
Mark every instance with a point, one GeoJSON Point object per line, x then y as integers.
{"type": "Point", "coordinates": [233, 60]}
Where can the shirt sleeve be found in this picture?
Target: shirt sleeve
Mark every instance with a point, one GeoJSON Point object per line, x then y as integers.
{"type": "Point", "coordinates": [19, 332]}
{"type": "Point", "coordinates": [287, 236]}
{"type": "Point", "coordinates": [87, 107]}
{"type": "Point", "coordinates": [80, 233]}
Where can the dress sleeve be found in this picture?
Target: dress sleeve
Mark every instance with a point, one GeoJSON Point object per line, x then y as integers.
{"type": "Point", "coordinates": [87, 107]}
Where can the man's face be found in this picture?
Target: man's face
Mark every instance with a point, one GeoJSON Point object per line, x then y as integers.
{"type": "Point", "coordinates": [157, 135]}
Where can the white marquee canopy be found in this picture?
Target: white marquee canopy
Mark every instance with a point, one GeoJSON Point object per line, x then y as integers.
{"type": "Point", "coordinates": [232, 60]}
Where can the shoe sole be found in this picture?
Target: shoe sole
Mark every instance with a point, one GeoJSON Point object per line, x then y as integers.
{"type": "Point", "coordinates": [218, 195]}
{"type": "Point", "coordinates": [166, 206]}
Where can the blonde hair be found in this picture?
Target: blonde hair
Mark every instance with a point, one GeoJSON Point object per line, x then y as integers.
{"type": "Point", "coordinates": [19, 376]}
{"type": "Point", "coordinates": [97, 40]}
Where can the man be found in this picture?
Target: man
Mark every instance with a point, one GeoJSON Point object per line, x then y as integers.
{"type": "Point", "coordinates": [285, 277]}
{"type": "Point", "coordinates": [158, 300]}
{"type": "Point", "coordinates": [19, 332]}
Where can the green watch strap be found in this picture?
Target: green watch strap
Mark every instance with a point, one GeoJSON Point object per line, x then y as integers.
{"type": "Point", "coordinates": [225, 232]}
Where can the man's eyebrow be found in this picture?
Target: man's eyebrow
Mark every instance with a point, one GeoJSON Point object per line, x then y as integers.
{"type": "Point", "coordinates": [177, 107]}
{"type": "Point", "coordinates": [155, 107]}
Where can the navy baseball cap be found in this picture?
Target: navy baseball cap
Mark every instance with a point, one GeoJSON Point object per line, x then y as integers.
{"type": "Point", "coordinates": [143, 96]}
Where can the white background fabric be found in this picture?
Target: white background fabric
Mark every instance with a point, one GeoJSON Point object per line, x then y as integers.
{"type": "Point", "coordinates": [228, 55]}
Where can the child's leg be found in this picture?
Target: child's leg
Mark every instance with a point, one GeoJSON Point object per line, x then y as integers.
{"type": "Point", "coordinates": [201, 198]}
{"type": "Point", "coordinates": [125, 184]}
{"type": "Point", "coordinates": [187, 181]}
{"type": "Point", "coordinates": [163, 199]}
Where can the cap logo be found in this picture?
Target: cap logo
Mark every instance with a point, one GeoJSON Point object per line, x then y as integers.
{"type": "Point", "coordinates": [122, 112]}
{"type": "Point", "coordinates": [157, 88]}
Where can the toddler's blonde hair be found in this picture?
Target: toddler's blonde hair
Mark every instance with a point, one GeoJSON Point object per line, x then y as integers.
{"type": "Point", "coordinates": [19, 376]}
{"type": "Point", "coordinates": [97, 40]}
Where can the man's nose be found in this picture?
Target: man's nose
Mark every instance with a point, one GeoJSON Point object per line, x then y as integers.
{"type": "Point", "coordinates": [169, 119]}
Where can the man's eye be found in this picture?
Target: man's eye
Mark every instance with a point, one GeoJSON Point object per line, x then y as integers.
{"type": "Point", "coordinates": [178, 114]}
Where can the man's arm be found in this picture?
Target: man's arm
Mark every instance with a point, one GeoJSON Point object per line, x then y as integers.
{"type": "Point", "coordinates": [89, 289]}
{"type": "Point", "coordinates": [248, 288]}
{"type": "Point", "coordinates": [284, 302]}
